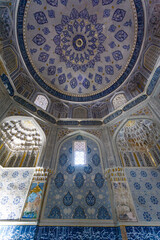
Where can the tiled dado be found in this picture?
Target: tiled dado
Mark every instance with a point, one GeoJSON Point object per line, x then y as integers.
{"type": "Point", "coordinates": [57, 233]}
{"type": "Point", "coordinates": [143, 233]}
{"type": "Point", "coordinates": [76, 233]}
{"type": "Point", "coordinates": [14, 187]}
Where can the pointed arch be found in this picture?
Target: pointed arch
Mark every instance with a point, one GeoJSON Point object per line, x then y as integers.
{"type": "Point", "coordinates": [83, 133]}
{"type": "Point", "coordinates": [22, 142]}
{"type": "Point", "coordinates": [135, 144]}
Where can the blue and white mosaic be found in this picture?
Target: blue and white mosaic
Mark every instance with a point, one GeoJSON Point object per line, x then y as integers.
{"type": "Point", "coordinates": [76, 233]}
{"type": "Point", "coordinates": [68, 41]}
{"type": "Point", "coordinates": [78, 191]}
{"type": "Point", "coordinates": [143, 233]}
{"type": "Point", "coordinates": [145, 189]}
{"type": "Point", "coordinates": [14, 186]}
{"type": "Point", "coordinates": [54, 233]}
{"type": "Point", "coordinates": [18, 232]}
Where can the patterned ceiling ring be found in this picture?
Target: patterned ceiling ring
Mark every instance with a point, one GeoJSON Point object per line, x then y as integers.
{"type": "Point", "coordinates": [80, 50]}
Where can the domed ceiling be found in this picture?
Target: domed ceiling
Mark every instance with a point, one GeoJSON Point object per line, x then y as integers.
{"type": "Point", "coordinates": [80, 50]}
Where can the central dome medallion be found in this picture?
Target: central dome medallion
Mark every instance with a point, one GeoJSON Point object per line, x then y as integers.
{"type": "Point", "coordinates": [80, 50]}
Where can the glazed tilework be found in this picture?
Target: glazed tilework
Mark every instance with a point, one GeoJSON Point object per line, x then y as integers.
{"type": "Point", "coordinates": [144, 184]}
{"type": "Point", "coordinates": [78, 192]}
{"type": "Point", "coordinates": [14, 186]}
{"type": "Point", "coordinates": [18, 232]}
{"type": "Point", "coordinates": [143, 233]}
{"type": "Point", "coordinates": [78, 42]}
{"type": "Point", "coordinates": [33, 202]}
{"type": "Point", "coordinates": [153, 81]}
{"type": "Point", "coordinates": [25, 103]}
{"type": "Point", "coordinates": [7, 84]}
{"type": "Point", "coordinates": [57, 233]}
{"type": "Point", "coordinates": [76, 233]}
{"type": "Point", "coordinates": [135, 102]}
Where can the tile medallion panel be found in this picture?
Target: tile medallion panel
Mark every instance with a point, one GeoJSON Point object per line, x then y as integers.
{"type": "Point", "coordinates": [80, 50]}
{"type": "Point", "coordinates": [14, 186]}
{"type": "Point", "coordinates": [78, 191]}
{"type": "Point", "coordinates": [144, 184]}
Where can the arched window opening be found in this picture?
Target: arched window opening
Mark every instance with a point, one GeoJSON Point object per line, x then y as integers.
{"type": "Point", "coordinates": [119, 100]}
{"type": "Point", "coordinates": [41, 101]}
{"type": "Point", "coordinates": [79, 151]}
{"type": "Point", "coordinates": [21, 142]}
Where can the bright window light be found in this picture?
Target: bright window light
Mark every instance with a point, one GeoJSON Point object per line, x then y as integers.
{"type": "Point", "coordinates": [79, 152]}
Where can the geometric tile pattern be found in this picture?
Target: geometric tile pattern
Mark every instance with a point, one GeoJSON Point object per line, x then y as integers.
{"type": "Point", "coordinates": [14, 186]}
{"type": "Point", "coordinates": [78, 191]}
{"type": "Point", "coordinates": [145, 189]}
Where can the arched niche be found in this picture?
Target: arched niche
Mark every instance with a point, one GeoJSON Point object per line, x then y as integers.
{"type": "Point", "coordinates": [80, 112]}
{"type": "Point", "coordinates": [138, 143]}
{"type": "Point", "coordinates": [59, 110]}
{"type": "Point", "coordinates": [78, 191]}
{"type": "Point", "coordinates": [21, 142]}
{"type": "Point", "coordinates": [24, 85]}
{"type": "Point", "coordinates": [99, 110]}
{"type": "Point", "coordinates": [137, 84]}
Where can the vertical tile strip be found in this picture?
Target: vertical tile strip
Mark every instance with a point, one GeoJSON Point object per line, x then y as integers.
{"type": "Point", "coordinates": [152, 159]}
{"type": "Point", "coordinates": [123, 232]}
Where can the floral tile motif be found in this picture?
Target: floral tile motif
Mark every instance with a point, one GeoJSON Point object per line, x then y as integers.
{"type": "Point", "coordinates": [78, 191]}
{"type": "Point", "coordinates": [75, 35]}
{"type": "Point", "coordinates": [14, 186]}
{"type": "Point", "coordinates": [145, 189]}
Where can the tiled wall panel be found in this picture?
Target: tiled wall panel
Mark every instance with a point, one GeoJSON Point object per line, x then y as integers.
{"type": "Point", "coordinates": [143, 233]}
{"type": "Point", "coordinates": [14, 186]}
{"type": "Point", "coordinates": [78, 191]}
{"type": "Point", "coordinates": [59, 233]}
{"type": "Point", "coordinates": [145, 189]}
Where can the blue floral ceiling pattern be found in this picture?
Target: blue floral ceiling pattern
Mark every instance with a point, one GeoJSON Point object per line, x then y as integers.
{"type": "Point", "coordinates": [80, 50]}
